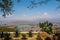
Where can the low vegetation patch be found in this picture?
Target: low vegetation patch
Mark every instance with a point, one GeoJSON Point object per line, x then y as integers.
{"type": "Point", "coordinates": [6, 29]}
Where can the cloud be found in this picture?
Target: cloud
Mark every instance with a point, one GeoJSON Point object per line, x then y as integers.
{"type": "Point", "coordinates": [24, 15]}
{"type": "Point", "coordinates": [34, 17]}
{"type": "Point", "coordinates": [45, 15]}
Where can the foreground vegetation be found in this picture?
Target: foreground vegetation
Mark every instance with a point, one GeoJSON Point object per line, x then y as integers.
{"type": "Point", "coordinates": [28, 36]}
{"type": "Point", "coordinates": [46, 33]}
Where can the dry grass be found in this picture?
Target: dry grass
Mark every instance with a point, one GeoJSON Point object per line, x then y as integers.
{"type": "Point", "coordinates": [42, 35]}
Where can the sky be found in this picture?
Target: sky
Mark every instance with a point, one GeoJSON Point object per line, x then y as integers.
{"type": "Point", "coordinates": [41, 12]}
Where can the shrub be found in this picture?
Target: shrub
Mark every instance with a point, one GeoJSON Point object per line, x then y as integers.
{"type": "Point", "coordinates": [7, 36]}
{"type": "Point", "coordinates": [23, 35]}
{"type": "Point", "coordinates": [16, 33]}
{"type": "Point", "coordinates": [1, 34]}
{"type": "Point", "coordinates": [30, 33]}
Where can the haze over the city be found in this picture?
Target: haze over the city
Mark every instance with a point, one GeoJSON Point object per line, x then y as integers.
{"type": "Point", "coordinates": [41, 12]}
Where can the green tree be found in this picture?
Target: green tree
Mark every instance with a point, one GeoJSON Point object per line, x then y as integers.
{"type": "Point", "coordinates": [6, 7]}
{"type": "Point", "coordinates": [46, 27]}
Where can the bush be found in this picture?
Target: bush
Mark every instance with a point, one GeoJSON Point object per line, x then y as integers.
{"type": "Point", "coordinates": [30, 33]}
{"type": "Point", "coordinates": [23, 35]}
{"type": "Point", "coordinates": [1, 34]}
{"type": "Point", "coordinates": [17, 33]}
{"type": "Point", "coordinates": [7, 36]}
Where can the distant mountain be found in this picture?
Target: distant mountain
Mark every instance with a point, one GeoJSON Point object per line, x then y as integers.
{"type": "Point", "coordinates": [57, 20]}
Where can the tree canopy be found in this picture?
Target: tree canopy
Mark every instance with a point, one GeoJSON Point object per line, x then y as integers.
{"type": "Point", "coordinates": [46, 27]}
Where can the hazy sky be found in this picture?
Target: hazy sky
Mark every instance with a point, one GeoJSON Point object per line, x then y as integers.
{"type": "Point", "coordinates": [45, 11]}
